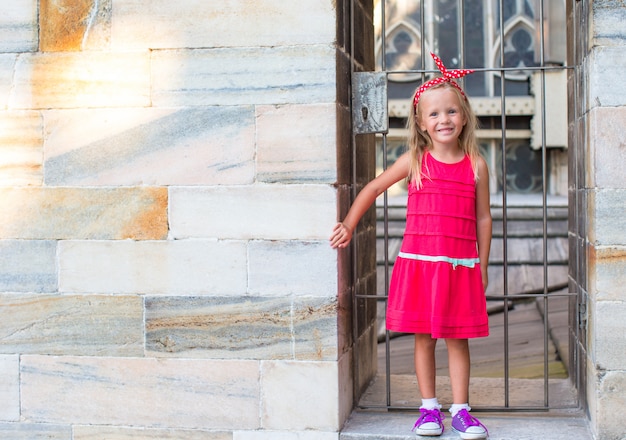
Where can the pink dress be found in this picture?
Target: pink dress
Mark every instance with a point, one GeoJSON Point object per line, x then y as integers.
{"type": "Point", "coordinates": [436, 284]}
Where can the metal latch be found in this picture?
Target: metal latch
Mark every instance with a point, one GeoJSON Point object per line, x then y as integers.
{"type": "Point", "coordinates": [369, 102]}
{"type": "Point", "coordinates": [582, 316]}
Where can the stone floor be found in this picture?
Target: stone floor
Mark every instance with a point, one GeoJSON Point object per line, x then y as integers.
{"type": "Point", "coordinates": [510, 426]}
{"type": "Point", "coordinates": [526, 390]}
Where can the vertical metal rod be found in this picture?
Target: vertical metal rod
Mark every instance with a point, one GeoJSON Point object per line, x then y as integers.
{"type": "Point", "coordinates": [461, 35]}
{"type": "Point", "coordinates": [386, 254]}
{"type": "Point", "coordinates": [353, 271]}
{"type": "Point", "coordinates": [423, 39]}
{"type": "Point", "coordinates": [504, 208]}
{"type": "Point", "coordinates": [383, 32]}
{"type": "Point", "coordinates": [578, 331]}
{"type": "Point", "coordinates": [544, 172]}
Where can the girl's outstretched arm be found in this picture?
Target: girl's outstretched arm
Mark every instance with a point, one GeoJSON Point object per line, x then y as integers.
{"type": "Point", "coordinates": [342, 232]}
{"type": "Point", "coordinates": [483, 218]}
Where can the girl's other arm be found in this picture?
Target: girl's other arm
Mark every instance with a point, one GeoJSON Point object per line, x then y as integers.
{"type": "Point", "coordinates": [483, 218]}
{"type": "Point", "coordinates": [342, 232]}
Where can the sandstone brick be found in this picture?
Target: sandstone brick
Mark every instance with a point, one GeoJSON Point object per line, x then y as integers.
{"type": "Point", "coordinates": [67, 25]}
{"type": "Point", "coordinates": [21, 148]}
{"type": "Point", "coordinates": [157, 24]}
{"type": "Point", "coordinates": [81, 79]}
{"type": "Point", "coordinates": [297, 143]}
{"type": "Point", "coordinates": [181, 267]}
{"type": "Point", "coordinates": [291, 397]}
{"type": "Point", "coordinates": [191, 146]}
{"type": "Point", "coordinates": [9, 389]}
{"type": "Point", "coordinates": [64, 213]}
{"type": "Point", "coordinates": [305, 212]}
{"type": "Point", "coordinates": [292, 268]}
{"type": "Point", "coordinates": [281, 75]}
{"type": "Point", "coordinates": [87, 325]}
{"type": "Point", "coordinates": [18, 26]}
{"type": "Point", "coordinates": [192, 394]}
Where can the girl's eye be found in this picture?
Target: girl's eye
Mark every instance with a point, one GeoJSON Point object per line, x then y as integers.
{"type": "Point", "coordinates": [433, 114]}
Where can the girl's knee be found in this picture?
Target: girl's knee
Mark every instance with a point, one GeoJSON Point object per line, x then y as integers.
{"type": "Point", "coordinates": [425, 341]}
{"type": "Point", "coordinates": [458, 344]}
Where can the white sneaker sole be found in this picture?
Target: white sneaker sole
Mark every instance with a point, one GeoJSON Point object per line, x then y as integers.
{"type": "Point", "coordinates": [471, 435]}
{"type": "Point", "coordinates": [428, 432]}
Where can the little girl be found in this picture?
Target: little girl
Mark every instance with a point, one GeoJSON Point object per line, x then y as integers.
{"type": "Point", "coordinates": [438, 284]}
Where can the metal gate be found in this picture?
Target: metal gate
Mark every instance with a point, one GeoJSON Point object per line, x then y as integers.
{"type": "Point", "coordinates": [519, 92]}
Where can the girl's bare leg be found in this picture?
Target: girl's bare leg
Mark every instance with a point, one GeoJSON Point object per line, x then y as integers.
{"type": "Point", "coordinates": [425, 364]}
{"type": "Point", "coordinates": [459, 366]}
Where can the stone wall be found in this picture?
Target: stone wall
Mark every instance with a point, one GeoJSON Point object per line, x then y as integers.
{"type": "Point", "coordinates": [169, 174]}
{"type": "Point", "coordinates": [598, 193]}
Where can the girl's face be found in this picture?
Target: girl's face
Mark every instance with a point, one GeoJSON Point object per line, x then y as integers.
{"type": "Point", "coordinates": [441, 116]}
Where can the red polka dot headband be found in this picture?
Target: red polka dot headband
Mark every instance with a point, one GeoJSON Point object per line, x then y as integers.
{"type": "Point", "coordinates": [447, 77]}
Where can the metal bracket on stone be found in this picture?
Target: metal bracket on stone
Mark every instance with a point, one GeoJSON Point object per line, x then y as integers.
{"type": "Point", "coordinates": [369, 102]}
{"type": "Point", "coordinates": [582, 316]}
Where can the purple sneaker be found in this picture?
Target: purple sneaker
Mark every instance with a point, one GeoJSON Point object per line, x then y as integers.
{"type": "Point", "coordinates": [468, 427]}
{"type": "Point", "coordinates": [430, 422]}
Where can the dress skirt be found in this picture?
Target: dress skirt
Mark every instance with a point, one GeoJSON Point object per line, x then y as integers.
{"type": "Point", "coordinates": [436, 285]}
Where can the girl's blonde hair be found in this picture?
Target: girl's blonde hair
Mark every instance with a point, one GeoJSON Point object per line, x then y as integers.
{"type": "Point", "coordinates": [419, 141]}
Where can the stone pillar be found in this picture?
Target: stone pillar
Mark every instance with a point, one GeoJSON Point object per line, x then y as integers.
{"type": "Point", "coordinates": [171, 172]}
{"type": "Point", "coordinates": [598, 193]}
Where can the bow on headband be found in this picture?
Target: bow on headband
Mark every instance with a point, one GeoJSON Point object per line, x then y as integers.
{"type": "Point", "coordinates": [447, 77]}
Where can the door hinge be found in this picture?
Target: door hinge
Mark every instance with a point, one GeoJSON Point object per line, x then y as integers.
{"type": "Point", "coordinates": [369, 102]}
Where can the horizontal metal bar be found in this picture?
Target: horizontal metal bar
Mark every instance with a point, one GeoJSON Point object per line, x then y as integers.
{"type": "Point", "coordinates": [488, 69]}
{"type": "Point", "coordinates": [393, 408]}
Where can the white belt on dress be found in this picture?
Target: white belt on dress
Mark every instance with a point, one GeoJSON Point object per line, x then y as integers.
{"type": "Point", "coordinates": [465, 262]}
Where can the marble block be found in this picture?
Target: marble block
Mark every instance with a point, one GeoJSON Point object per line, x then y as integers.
{"type": "Point", "coordinates": [297, 143]}
{"type": "Point", "coordinates": [21, 148]}
{"type": "Point", "coordinates": [9, 389]}
{"type": "Point", "coordinates": [7, 66]}
{"type": "Point", "coordinates": [266, 212]}
{"type": "Point", "coordinates": [71, 25]}
{"type": "Point", "coordinates": [151, 393]}
{"type": "Point", "coordinates": [299, 396]}
{"type": "Point", "coordinates": [241, 328]}
{"type": "Point", "coordinates": [138, 213]}
{"type": "Point", "coordinates": [19, 26]}
{"type": "Point", "coordinates": [125, 433]}
{"type": "Point", "coordinates": [292, 267]}
{"type": "Point", "coordinates": [35, 431]}
{"type": "Point", "coordinates": [81, 79]}
{"type": "Point", "coordinates": [281, 75]}
{"type": "Point", "coordinates": [148, 146]}
{"type": "Point", "coordinates": [137, 24]}
{"type": "Point", "coordinates": [87, 325]}
{"type": "Point", "coordinates": [173, 267]}
{"type": "Point", "coordinates": [28, 266]}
